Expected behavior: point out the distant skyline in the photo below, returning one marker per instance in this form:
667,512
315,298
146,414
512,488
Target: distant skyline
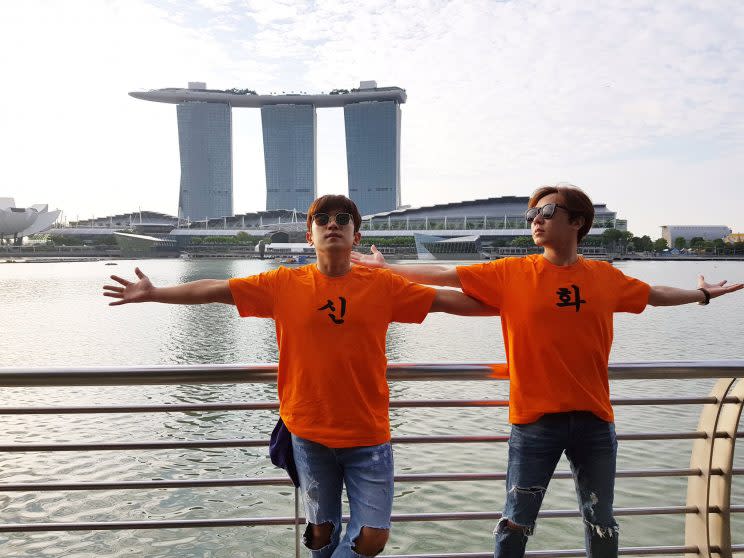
640,103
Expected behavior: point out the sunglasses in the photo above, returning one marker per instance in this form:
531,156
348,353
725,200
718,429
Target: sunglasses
341,219
547,211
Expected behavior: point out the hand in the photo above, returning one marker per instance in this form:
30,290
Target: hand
718,289
375,259
141,291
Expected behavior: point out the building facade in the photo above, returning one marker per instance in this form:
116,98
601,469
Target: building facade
205,144
373,155
688,232
289,136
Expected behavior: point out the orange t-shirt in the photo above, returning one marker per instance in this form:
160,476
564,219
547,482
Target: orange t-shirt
557,324
331,336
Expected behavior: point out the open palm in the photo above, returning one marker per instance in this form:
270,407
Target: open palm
129,292
718,289
375,259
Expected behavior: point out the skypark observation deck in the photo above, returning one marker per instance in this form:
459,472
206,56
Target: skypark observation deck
175,95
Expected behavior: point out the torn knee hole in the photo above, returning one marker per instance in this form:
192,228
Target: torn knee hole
371,541
604,531
318,536
505,525
532,490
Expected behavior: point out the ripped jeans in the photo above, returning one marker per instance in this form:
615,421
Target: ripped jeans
367,472
534,450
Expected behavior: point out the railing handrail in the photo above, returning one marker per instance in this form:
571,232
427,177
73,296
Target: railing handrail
261,373
711,469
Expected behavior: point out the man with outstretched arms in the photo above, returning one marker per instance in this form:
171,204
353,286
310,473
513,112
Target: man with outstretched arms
556,314
331,320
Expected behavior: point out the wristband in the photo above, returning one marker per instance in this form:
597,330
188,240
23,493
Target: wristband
707,296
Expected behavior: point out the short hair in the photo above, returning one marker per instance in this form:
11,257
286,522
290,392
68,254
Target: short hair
329,202
574,198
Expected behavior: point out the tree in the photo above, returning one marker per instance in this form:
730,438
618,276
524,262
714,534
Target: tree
647,245
697,242
680,243
523,241
616,240
660,244
643,243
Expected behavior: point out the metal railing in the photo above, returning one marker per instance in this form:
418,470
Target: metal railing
707,511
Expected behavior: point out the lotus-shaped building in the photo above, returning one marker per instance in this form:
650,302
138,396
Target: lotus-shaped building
24,221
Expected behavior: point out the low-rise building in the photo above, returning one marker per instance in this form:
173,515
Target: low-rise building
707,232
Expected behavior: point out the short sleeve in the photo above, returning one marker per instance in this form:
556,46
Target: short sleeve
410,302
484,282
632,294
255,295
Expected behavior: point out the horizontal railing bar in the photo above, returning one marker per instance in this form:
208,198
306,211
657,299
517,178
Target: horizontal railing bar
240,373
256,521
276,481
166,408
625,551
142,485
273,405
238,443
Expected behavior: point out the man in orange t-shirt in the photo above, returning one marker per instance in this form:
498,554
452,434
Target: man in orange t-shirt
331,322
556,314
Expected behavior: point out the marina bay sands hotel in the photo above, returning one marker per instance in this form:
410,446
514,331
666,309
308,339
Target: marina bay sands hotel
372,123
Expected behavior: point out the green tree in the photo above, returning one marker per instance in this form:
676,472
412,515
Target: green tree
522,242
697,242
660,244
680,243
616,240
646,244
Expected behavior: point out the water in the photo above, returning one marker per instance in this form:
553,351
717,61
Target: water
54,315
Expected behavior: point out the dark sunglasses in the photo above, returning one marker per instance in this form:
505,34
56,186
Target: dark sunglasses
341,219
547,211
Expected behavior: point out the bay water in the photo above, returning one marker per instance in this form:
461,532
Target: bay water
53,314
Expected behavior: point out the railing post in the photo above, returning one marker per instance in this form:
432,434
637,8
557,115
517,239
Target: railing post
719,524
706,528
297,521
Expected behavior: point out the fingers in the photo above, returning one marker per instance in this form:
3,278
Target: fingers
701,281
117,303
121,280
719,291
114,295
139,273
374,249
113,288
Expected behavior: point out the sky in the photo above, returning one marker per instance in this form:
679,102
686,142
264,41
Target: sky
640,103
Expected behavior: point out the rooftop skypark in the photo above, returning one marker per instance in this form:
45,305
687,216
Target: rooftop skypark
197,91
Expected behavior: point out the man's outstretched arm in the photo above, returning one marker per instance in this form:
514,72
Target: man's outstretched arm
672,296
203,291
455,302
427,274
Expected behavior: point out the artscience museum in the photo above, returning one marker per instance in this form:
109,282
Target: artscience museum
17,222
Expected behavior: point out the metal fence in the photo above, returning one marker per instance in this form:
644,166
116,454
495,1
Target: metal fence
707,511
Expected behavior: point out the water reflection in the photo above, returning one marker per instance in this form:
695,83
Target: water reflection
83,330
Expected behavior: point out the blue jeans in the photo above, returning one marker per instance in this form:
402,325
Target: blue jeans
534,450
367,472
